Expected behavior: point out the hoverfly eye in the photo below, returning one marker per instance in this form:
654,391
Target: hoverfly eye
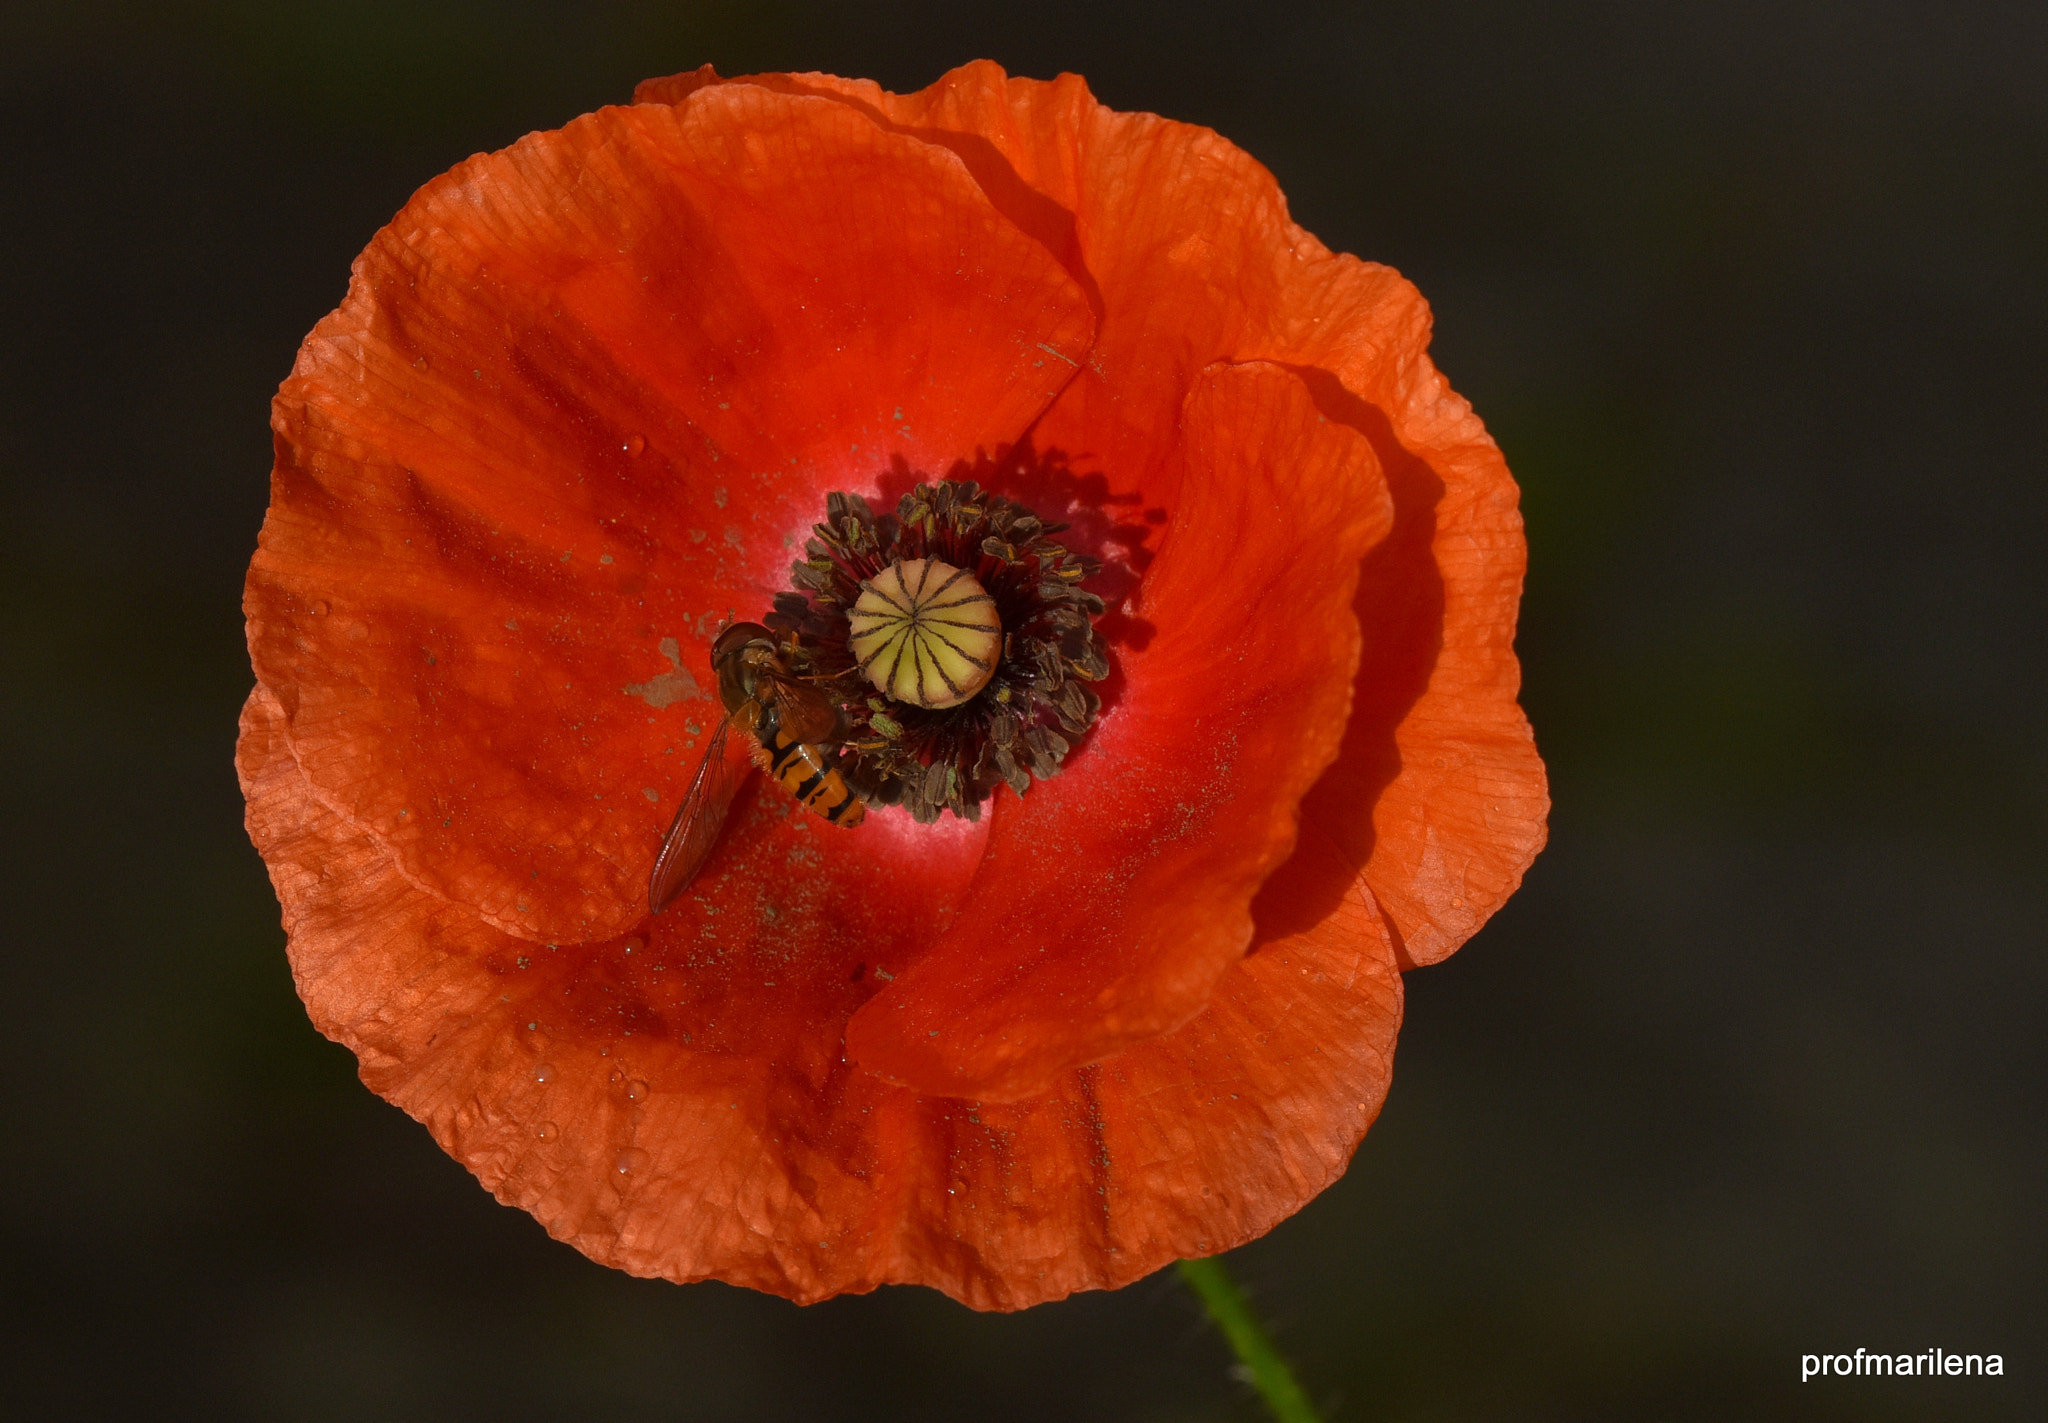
736,637
926,633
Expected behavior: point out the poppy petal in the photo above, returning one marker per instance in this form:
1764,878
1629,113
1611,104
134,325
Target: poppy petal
582,400
1184,242
772,1165
1111,897
1437,743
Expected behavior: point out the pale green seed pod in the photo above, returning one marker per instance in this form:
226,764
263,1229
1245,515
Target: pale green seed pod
926,633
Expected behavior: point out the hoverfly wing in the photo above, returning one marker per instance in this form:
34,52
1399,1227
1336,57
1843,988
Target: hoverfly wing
694,831
802,711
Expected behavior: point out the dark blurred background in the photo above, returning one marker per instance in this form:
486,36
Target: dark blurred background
1754,296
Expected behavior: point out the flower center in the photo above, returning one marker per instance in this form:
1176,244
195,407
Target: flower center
953,637
925,632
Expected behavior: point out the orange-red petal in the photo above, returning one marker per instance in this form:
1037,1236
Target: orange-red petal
1110,899
1185,244
762,1159
582,399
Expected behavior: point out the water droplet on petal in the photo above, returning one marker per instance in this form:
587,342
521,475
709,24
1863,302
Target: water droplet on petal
547,1131
318,608
544,1072
630,1160
636,1091
617,1076
635,444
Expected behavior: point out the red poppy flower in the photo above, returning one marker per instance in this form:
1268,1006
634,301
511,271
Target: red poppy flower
583,405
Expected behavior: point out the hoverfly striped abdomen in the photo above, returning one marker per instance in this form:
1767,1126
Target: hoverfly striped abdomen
803,770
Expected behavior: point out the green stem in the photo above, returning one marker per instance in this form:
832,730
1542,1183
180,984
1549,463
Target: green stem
1229,1311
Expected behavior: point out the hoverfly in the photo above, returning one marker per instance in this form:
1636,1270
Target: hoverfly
792,728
